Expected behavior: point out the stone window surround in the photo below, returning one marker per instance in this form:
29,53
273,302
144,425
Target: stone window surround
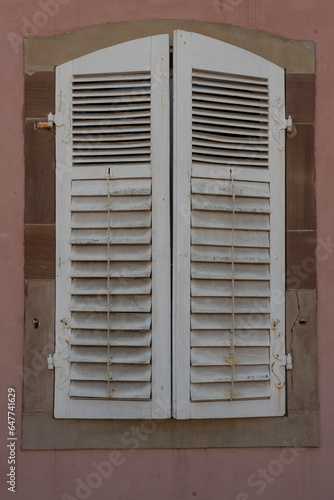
300,426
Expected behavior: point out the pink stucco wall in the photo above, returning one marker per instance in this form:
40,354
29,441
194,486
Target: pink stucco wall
157,474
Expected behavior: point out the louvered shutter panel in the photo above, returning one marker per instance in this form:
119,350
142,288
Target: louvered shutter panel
113,265
228,232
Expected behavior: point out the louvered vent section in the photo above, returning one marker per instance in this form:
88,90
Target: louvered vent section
230,119
230,239
111,251
111,119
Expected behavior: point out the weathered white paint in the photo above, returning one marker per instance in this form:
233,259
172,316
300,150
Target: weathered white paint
229,232
113,264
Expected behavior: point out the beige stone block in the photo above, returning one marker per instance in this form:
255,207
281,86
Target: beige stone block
44,53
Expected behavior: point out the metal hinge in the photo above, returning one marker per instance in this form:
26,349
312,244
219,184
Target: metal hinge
287,361
53,120
51,363
289,125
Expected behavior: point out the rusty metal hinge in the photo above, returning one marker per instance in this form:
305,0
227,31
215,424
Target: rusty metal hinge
56,119
48,124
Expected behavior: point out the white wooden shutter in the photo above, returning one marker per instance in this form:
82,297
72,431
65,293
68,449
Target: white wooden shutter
113,265
229,258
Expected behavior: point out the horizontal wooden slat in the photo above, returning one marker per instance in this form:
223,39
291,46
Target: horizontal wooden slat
114,338
111,147
117,390
207,374
99,140
219,288
219,114
209,120
124,122
112,100
242,131
245,110
117,170
224,305
117,203
236,142
78,93
224,237
121,303
224,254
127,355
92,160
84,114
228,161
223,321
229,99
113,253
117,373
212,76
102,140
120,127
223,271
241,390
111,156
114,236
224,170
234,90
212,219
217,149
217,85
115,220
239,188
119,77
88,173
117,321
117,188
116,270
99,84
225,203
216,356
225,338
113,286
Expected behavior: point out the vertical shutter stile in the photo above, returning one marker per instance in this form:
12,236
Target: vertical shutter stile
229,232
112,326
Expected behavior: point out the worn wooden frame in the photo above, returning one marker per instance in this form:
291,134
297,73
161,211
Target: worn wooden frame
300,425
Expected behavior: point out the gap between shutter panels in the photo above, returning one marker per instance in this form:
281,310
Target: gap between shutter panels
230,253
111,250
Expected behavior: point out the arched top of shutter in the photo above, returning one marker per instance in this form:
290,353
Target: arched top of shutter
112,224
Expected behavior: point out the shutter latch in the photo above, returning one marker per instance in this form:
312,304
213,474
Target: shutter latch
287,361
53,120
